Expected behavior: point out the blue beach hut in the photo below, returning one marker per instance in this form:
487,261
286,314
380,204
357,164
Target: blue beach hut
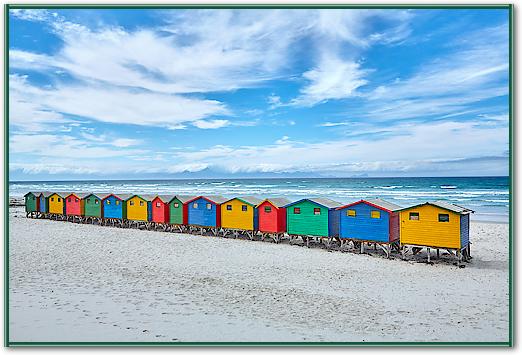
114,206
204,211
370,221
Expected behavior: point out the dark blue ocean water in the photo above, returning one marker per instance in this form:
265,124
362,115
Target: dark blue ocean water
488,196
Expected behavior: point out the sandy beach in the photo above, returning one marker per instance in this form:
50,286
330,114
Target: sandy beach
71,282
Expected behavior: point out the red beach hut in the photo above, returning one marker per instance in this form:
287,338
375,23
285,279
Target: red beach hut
160,208
272,215
73,205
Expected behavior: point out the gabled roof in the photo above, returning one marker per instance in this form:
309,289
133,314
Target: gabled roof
71,193
145,197
183,198
84,195
61,194
277,202
249,200
321,201
444,205
164,198
36,193
47,193
97,195
215,199
123,197
375,202
106,195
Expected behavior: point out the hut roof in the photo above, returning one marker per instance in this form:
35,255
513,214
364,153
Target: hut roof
62,194
250,200
376,202
444,205
217,199
36,193
95,194
47,193
164,198
123,197
276,201
84,195
183,198
322,201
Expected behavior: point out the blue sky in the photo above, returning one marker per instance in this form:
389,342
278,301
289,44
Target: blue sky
109,94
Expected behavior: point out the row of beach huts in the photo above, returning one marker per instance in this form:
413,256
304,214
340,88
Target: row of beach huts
436,226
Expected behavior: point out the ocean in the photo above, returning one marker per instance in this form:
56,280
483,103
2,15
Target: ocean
487,196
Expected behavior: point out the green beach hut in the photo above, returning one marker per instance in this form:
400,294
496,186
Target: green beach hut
312,217
92,205
178,209
32,201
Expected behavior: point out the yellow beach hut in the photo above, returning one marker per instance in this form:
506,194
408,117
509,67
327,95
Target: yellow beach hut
56,203
438,225
240,213
139,207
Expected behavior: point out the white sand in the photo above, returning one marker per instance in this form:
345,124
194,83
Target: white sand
72,282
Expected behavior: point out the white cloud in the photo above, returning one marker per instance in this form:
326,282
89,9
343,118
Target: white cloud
415,144
211,124
30,104
333,124
125,142
332,79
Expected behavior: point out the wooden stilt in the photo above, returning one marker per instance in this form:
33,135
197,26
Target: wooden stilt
429,254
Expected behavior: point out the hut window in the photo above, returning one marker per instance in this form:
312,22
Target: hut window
268,209
443,217
52,199
350,213
59,199
88,200
317,211
33,198
176,205
109,202
141,203
75,200
209,206
195,205
375,214
158,204
96,202
131,203
69,199
297,210
414,216
244,208
229,207
117,202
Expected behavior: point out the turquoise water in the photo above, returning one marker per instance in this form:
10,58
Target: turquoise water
488,196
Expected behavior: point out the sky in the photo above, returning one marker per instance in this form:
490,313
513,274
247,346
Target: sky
138,94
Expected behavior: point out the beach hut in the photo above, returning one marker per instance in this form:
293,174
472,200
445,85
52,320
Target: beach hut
272,215
73,206
43,206
240,213
313,217
370,221
32,203
160,212
114,210
178,210
138,208
438,225
56,204
205,212
92,206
